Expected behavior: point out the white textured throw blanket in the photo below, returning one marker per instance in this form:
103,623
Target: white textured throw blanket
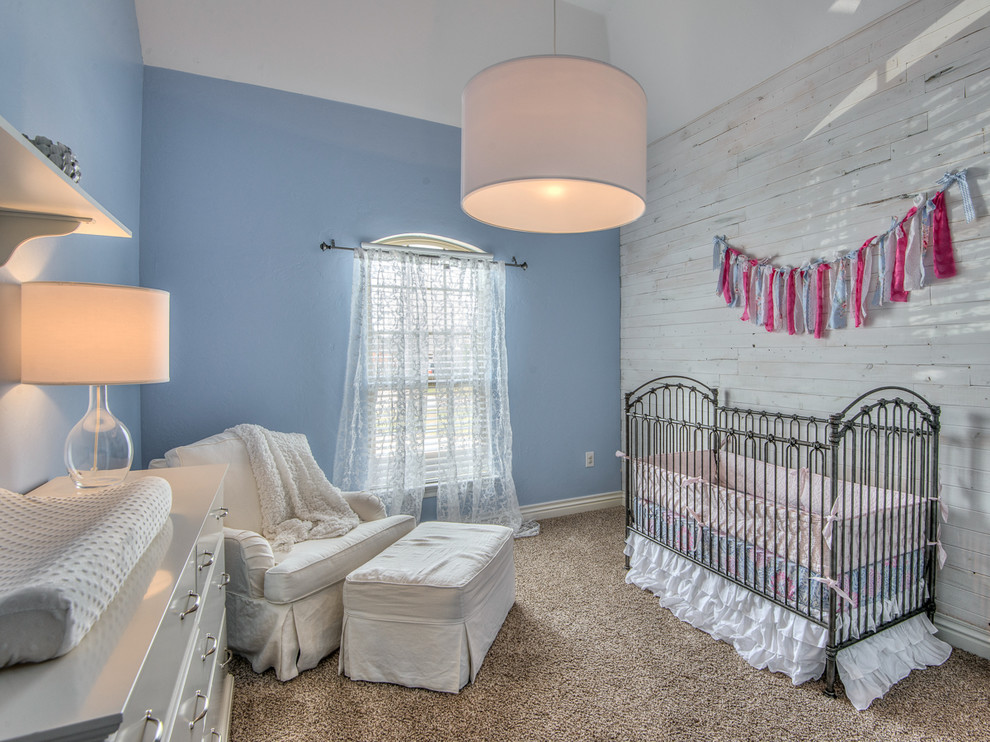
63,560
298,503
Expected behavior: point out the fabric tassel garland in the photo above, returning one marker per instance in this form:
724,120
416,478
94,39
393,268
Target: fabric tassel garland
882,272
925,210
859,295
820,273
747,270
840,297
945,261
913,269
761,297
778,296
736,276
768,322
960,178
867,277
806,279
897,292
718,263
790,297
810,300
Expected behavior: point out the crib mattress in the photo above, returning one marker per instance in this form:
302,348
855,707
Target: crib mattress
784,511
881,587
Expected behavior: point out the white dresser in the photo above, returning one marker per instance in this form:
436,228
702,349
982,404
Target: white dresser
153,666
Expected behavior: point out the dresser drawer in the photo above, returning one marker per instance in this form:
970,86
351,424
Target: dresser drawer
221,690
209,545
193,706
156,683
194,701
174,669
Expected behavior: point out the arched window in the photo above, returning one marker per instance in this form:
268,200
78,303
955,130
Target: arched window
428,241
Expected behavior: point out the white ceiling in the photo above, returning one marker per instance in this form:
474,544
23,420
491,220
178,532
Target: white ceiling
413,57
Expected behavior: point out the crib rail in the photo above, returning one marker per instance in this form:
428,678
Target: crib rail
832,518
889,447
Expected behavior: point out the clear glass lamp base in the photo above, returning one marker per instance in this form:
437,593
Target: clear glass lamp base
98,451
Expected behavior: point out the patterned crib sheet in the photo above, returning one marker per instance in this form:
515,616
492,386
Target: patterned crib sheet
785,511
878,588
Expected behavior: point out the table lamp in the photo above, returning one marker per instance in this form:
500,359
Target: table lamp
95,334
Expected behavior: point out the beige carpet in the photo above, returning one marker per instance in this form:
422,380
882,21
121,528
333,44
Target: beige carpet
584,656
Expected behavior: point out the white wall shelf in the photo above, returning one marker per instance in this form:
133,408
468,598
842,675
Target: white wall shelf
39,200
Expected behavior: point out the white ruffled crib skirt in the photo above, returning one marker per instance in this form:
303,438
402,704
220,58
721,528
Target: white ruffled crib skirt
769,636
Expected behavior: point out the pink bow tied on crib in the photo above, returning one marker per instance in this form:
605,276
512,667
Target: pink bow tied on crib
942,555
834,587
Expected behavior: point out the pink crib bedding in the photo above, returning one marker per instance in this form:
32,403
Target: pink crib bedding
782,510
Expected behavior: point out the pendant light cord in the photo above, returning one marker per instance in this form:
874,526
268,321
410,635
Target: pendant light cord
555,28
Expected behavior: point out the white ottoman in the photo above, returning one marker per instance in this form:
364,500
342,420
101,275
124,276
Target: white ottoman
424,611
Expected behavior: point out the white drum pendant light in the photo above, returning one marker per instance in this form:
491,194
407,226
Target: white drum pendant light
553,144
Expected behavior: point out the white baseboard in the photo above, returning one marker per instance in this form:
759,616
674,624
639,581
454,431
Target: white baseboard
963,635
572,505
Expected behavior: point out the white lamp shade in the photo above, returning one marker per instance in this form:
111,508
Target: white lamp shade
553,144
87,333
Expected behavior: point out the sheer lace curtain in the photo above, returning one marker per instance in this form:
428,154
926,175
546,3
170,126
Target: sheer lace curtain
426,399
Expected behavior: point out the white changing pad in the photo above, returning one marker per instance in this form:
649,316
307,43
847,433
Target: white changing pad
63,559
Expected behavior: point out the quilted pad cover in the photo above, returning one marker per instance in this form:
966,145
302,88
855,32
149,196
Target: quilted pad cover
63,559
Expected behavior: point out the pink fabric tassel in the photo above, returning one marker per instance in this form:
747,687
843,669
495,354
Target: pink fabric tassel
897,292
768,323
746,274
820,300
789,301
860,267
945,261
727,275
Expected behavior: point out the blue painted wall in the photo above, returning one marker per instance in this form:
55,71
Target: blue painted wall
239,186
71,71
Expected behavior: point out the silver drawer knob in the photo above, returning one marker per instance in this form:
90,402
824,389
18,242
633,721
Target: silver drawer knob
193,608
211,643
209,560
202,714
159,727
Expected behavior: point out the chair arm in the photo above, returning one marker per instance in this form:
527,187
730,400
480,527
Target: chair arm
247,558
367,506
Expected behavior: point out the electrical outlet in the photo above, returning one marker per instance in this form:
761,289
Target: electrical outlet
589,458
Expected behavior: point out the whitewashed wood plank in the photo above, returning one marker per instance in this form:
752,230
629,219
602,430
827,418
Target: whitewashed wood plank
964,579
966,503
972,542
962,604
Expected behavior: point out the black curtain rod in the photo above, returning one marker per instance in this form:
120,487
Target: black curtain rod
334,246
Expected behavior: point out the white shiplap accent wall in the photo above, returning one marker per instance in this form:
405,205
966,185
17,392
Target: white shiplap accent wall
816,160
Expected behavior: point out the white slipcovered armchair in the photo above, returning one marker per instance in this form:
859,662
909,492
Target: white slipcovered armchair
285,614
